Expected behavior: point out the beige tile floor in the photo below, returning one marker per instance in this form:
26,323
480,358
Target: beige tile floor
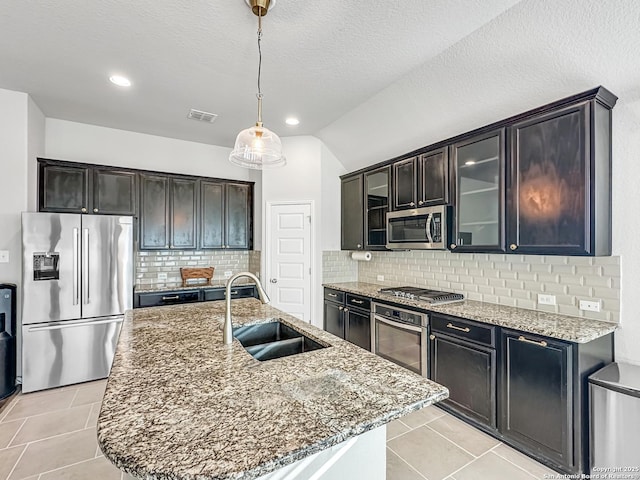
51,435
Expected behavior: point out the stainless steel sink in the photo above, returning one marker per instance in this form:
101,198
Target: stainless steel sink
265,341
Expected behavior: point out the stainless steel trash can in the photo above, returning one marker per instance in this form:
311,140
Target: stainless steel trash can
614,394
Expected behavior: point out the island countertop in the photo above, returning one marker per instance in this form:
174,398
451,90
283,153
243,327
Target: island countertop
181,405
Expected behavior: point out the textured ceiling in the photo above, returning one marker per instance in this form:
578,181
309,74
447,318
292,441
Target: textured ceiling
321,59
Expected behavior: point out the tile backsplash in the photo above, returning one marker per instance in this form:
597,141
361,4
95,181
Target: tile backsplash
150,264
514,280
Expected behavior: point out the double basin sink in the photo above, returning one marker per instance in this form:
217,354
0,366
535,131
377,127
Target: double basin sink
266,341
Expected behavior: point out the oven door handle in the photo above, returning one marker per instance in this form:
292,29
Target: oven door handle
404,326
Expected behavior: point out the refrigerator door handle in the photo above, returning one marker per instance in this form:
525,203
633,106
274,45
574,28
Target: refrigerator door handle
62,325
76,267
85,266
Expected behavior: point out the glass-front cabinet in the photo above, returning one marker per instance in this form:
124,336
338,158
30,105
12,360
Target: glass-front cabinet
376,188
478,164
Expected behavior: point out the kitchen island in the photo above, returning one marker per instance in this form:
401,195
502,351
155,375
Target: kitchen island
181,405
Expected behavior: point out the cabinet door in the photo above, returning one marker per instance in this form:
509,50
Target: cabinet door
63,188
334,319
549,183
114,192
434,178
479,193
537,395
352,219
376,187
211,214
405,176
469,372
183,213
154,212
239,208
358,327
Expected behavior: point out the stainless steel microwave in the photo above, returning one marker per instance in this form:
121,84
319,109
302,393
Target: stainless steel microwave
421,228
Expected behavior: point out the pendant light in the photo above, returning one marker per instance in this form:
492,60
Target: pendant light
258,147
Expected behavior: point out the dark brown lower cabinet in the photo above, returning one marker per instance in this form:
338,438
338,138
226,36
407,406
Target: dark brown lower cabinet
348,316
334,319
358,327
543,401
463,358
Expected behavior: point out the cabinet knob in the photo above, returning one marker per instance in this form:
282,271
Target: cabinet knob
452,246
340,307
420,202
83,210
346,309
432,337
359,245
412,204
513,246
95,210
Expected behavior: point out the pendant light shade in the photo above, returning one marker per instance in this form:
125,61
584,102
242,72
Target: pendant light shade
258,147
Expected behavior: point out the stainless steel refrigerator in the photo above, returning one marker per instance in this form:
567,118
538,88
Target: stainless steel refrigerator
77,277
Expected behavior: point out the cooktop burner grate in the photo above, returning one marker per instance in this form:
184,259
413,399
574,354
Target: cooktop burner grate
435,297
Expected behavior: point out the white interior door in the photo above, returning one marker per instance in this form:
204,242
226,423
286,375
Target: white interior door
288,263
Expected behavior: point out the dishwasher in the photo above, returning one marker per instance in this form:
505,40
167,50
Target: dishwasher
614,394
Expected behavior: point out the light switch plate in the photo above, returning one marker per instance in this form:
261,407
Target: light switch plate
546,299
590,306
228,273
380,278
4,256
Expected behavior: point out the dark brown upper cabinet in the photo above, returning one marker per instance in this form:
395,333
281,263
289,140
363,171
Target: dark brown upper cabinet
69,187
478,183
63,187
226,212
114,192
352,213
433,178
377,186
154,212
559,182
405,183
183,212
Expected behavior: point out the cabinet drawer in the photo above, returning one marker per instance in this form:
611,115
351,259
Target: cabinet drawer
166,298
357,301
462,328
334,295
212,294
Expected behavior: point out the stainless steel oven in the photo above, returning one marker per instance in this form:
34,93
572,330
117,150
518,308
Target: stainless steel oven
400,336
420,228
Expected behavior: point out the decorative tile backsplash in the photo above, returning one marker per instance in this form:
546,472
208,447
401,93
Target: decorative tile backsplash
150,264
514,280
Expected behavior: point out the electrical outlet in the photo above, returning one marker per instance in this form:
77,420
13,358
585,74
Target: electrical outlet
228,273
590,306
162,275
4,256
380,278
546,299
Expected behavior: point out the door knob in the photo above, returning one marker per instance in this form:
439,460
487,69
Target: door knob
274,280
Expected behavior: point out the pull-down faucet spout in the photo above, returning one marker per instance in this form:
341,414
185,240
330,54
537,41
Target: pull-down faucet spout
227,333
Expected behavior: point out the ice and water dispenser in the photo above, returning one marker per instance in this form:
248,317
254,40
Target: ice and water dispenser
7,339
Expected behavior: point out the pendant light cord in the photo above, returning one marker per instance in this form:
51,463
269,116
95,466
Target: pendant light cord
259,95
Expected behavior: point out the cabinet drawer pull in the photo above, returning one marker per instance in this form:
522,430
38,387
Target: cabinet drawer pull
541,343
452,326
334,295
360,302
233,292
174,297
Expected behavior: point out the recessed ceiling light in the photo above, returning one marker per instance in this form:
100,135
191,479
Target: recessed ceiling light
120,80
292,121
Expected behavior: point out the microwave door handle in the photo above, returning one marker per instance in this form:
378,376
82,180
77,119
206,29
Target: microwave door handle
428,227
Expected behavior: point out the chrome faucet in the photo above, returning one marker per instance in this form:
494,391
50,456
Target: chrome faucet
227,333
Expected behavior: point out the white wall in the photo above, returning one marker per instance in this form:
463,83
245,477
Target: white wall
80,142
308,176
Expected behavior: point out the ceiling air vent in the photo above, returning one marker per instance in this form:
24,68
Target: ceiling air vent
202,116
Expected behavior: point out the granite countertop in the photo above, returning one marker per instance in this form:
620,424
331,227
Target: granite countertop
181,405
563,327
178,287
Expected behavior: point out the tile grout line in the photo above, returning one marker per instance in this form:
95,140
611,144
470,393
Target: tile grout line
26,444
24,449
468,463
515,464
66,466
24,420
459,446
410,466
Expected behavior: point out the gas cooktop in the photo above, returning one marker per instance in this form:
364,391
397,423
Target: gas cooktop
434,297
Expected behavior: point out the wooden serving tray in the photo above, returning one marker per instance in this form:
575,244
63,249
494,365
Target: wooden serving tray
205,273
